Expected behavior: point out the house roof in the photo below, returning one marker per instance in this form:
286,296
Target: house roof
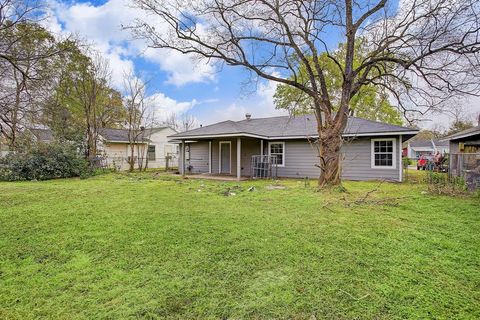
111,135
441,143
463,134
290,127
121,135
42,134
116,135
428,144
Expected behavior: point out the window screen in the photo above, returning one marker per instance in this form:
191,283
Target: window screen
383,153
277,151
151,153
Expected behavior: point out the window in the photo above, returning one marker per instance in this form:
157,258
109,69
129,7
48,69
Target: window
383,153
151,153
277,151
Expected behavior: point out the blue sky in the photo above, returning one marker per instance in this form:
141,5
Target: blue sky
177,84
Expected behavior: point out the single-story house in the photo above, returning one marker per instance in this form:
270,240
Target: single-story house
114,146
464,150
372,150
418,148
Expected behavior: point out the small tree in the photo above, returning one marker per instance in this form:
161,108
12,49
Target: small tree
138,116
83,102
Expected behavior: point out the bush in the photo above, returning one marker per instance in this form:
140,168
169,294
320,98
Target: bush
442,183
43,162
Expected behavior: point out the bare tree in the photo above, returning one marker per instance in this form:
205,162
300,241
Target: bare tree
138,117
12,14
422,53
457,112
182,122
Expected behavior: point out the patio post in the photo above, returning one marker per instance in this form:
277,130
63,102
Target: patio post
210,156
239,157
183,158
400,155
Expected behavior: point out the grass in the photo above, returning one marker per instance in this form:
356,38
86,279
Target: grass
147,246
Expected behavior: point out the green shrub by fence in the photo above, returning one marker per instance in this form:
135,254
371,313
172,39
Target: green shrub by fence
43,162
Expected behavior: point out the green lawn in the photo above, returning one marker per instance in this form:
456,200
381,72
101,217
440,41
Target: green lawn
130,246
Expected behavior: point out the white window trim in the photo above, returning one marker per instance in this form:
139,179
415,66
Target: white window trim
220,155
154,153
394,154
283,155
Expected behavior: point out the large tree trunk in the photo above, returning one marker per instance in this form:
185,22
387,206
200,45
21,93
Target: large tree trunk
330,143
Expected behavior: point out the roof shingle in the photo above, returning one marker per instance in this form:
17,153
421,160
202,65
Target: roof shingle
463,134
285,126
121,135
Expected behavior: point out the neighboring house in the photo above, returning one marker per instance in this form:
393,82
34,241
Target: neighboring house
152,146
114,146
43,135
417,148
464,150
372,149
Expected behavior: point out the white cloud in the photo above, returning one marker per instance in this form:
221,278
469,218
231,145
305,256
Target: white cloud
259,105
102,26
182,69
164,106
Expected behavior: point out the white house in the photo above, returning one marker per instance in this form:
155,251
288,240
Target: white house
115,148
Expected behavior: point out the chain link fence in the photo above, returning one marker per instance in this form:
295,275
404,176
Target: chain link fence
466,166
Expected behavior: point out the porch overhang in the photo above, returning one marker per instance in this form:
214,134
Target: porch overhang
178,138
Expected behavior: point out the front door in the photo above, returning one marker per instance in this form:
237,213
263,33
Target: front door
225,157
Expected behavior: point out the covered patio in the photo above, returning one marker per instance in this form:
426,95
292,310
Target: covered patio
225,158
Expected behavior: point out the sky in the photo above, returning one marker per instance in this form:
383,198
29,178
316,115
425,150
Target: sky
176,83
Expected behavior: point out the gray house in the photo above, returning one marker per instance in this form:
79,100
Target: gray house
373,150
418,148
464,150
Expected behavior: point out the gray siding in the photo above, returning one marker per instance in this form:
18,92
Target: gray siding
300,159
198,157
357,162
454,148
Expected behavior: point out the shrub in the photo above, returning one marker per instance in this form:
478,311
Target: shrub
442,183
43,162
